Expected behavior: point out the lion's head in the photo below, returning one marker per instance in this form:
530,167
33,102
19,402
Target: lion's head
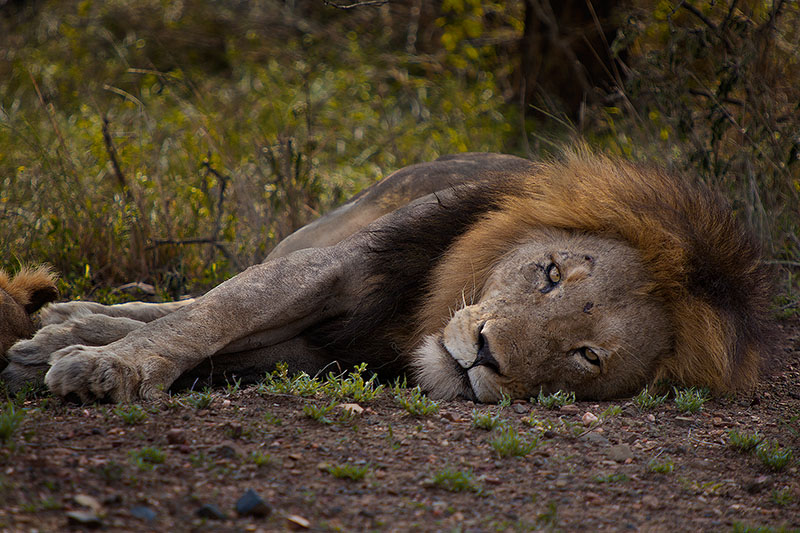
20,297
598,277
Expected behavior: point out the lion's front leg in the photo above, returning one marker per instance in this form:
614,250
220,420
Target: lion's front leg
270,303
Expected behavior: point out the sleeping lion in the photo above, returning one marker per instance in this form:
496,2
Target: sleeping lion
477,275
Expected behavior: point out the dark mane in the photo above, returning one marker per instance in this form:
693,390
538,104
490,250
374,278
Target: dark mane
401,258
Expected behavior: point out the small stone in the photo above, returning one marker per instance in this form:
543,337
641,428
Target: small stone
176,436
211,512
223,451
758,484
570,409
450,417
620,453
84,518
251,504
589,418
520,408
651,417
297,522
143,513
562,482
651,501
597,439
226,403
84,500
233,430
352,408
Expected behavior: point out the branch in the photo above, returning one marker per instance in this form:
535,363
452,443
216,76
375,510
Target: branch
213,242
112,154
364,3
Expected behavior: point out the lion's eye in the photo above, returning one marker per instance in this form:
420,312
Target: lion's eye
553,274
590,355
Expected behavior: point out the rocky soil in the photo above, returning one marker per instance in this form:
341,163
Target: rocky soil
255,461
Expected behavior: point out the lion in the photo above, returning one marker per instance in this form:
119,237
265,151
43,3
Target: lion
479,276
20,297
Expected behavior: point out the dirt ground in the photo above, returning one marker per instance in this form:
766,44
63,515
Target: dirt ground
182,466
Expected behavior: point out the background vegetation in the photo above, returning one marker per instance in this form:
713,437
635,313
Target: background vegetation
175,142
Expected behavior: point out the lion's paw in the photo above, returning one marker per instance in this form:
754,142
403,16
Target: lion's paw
96,373
58,313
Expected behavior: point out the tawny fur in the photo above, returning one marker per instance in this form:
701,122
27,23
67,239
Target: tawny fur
27,282
704,266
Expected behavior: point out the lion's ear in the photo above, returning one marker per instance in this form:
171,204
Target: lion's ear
40,297
33,288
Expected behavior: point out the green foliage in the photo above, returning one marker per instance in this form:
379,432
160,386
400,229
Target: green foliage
319,413
646,401
453,480
353,385
261,460
279,382
743,442
509,443
178,147
660,467
147,458
611,478
554,400
690,400
131,414
485,420
611,411
782,497
10,419
348,471
505,400
200,400
773,456
416,403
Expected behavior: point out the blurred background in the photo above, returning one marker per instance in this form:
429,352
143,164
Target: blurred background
175,142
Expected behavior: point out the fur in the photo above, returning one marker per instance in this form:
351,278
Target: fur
706,267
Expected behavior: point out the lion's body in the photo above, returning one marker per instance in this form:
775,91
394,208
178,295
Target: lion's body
587,274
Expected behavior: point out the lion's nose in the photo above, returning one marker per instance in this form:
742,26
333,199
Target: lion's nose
485,357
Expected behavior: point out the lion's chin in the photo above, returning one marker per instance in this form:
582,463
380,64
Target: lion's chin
438,374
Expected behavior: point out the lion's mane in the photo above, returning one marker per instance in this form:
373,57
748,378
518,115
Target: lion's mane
705,266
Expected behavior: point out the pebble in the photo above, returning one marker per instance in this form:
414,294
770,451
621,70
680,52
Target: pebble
211,511
297,522
176,436
84,518
758,484
570,409
84,500
651,417
352,408
589,418
620,453
651,501
596,438
520,408
251,504
143,513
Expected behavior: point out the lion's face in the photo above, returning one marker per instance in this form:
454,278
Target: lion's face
561,311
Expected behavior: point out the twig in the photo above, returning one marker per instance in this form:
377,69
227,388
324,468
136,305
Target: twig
187,242
112,155
706,94
365,3
699,14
